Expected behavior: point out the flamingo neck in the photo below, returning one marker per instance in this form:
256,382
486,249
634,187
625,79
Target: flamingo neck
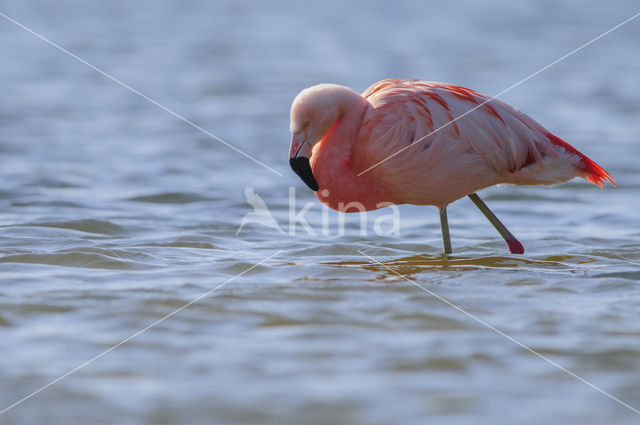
331,161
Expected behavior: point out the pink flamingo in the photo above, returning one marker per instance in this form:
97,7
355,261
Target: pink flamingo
423,143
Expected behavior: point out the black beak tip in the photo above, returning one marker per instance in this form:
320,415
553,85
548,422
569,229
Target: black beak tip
302,168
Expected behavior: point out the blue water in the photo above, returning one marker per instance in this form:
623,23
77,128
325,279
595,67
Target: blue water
115,213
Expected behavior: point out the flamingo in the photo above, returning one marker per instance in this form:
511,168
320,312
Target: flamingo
407,141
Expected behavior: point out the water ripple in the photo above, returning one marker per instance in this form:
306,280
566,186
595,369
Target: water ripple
96,258
88,226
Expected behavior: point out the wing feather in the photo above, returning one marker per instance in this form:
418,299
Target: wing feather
449,141
408,111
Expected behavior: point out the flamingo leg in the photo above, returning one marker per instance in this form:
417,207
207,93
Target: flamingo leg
444,225
515,247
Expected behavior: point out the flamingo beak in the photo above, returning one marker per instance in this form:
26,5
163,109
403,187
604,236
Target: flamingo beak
299,155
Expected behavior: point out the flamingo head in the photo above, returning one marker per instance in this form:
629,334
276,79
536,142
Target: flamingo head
313,112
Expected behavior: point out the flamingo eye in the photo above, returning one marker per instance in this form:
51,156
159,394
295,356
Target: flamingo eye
306,124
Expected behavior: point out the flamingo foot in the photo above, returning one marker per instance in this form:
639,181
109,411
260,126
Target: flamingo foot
515,247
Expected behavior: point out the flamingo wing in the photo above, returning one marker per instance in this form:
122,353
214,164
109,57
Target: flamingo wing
417,119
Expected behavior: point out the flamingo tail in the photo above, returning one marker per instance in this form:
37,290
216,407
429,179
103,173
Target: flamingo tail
594,173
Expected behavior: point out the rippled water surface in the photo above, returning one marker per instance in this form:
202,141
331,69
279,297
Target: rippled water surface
114,213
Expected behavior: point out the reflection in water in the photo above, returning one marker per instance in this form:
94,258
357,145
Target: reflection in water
415,264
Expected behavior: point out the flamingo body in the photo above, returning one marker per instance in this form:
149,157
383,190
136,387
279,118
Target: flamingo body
493,144
423,143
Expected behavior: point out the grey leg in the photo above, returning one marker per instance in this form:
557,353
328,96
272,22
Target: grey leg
444,225
515,247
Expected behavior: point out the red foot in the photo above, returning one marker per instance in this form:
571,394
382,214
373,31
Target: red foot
515,247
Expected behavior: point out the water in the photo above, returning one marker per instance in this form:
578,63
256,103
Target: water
115,213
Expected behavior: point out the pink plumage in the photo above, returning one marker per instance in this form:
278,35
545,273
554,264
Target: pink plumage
423,143
484,124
